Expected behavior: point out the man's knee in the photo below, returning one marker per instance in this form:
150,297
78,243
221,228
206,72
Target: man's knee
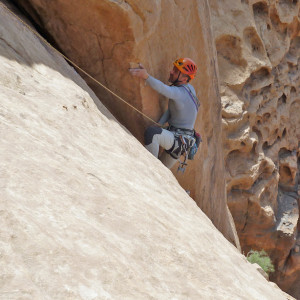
150,132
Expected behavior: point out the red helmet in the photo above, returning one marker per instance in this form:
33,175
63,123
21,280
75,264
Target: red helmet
186,66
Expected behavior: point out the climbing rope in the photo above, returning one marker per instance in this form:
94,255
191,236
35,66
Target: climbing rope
75,65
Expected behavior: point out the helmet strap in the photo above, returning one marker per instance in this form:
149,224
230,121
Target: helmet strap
177,80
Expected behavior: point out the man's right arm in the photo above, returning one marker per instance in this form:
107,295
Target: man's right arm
170,92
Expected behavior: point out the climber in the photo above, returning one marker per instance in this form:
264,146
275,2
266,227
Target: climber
179,136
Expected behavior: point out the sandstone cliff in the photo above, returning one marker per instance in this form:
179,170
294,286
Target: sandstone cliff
105,36
74,223
258,47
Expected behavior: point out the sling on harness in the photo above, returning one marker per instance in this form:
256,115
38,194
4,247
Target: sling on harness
195,147
195,101
186,142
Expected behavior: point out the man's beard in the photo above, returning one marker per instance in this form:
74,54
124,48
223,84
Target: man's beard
171,79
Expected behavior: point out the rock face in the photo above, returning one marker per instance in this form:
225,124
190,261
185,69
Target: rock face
105,36
257,45
74,225
258,48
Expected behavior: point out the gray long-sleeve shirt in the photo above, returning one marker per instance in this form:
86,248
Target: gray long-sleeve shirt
182,111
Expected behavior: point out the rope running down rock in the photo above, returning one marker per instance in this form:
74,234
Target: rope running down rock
76,66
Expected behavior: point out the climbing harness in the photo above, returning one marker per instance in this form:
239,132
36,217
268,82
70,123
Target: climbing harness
186,143
76,66
183,140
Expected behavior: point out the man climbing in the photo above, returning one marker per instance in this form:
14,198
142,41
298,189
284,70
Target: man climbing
180,115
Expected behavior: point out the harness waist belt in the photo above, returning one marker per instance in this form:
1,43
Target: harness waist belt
187,131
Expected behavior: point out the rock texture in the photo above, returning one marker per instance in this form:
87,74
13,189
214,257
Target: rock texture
105,36
258,48
74,224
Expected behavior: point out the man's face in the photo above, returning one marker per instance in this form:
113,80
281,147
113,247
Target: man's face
173,74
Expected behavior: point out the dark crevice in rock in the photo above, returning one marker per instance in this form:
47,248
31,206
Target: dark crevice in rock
246,217
281,100
260,8
36,21
288,2
293,90
284,152
102,60
284,133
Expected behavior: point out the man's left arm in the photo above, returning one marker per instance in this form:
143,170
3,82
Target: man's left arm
165,117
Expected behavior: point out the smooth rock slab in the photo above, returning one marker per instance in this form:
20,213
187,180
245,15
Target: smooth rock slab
86,211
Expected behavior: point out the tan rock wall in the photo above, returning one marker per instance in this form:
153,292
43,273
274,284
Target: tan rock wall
258,46
74,224
105,36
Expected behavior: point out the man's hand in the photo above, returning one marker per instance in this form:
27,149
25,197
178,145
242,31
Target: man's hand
139,72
